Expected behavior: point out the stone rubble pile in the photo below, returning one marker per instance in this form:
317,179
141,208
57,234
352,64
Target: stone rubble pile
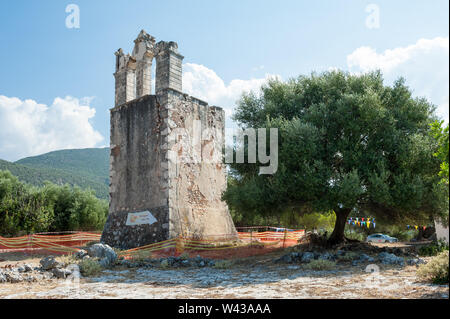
49,269
356,259
106,255
172,262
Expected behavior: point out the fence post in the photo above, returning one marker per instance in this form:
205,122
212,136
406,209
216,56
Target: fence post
29,245
251,238
284,238
179,245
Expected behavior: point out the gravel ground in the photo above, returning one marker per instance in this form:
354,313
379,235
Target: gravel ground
256,279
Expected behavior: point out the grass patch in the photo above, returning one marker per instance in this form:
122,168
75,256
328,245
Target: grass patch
141,255
67,259
223,264
348,256
320,264
433,249
436,270
184,256
89,267
164,264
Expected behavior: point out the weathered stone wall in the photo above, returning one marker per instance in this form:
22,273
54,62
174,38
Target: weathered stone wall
168,67
125,76
166,154
166,158
138,173
197,175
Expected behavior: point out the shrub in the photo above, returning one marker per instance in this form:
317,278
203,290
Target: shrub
401,234
164,264
355,234
436,270
26,209
348,256
433,249
89,267
67,259
223,264
140,255
184,256
320,264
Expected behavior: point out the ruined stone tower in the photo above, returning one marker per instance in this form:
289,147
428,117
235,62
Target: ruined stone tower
166,169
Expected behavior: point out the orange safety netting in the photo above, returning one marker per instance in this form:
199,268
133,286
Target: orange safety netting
62,244
218,246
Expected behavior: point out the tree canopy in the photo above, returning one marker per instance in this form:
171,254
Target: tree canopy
440,133
347,143
28,209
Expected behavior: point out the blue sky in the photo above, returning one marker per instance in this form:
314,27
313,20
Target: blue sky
229,44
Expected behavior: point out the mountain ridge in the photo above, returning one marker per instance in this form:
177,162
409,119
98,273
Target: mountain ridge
86,168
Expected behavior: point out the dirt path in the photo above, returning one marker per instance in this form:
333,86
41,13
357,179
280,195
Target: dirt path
257,281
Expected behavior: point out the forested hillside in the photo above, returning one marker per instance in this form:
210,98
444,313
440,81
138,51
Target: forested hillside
86,168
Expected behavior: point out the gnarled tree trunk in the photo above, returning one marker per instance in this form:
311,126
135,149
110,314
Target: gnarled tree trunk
337,236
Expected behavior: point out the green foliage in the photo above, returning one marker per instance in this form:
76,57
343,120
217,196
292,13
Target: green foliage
89,267
356,234
28,209
440,133
400,233
91,162
184,256
433,249
23,209
348,256
223,264
320,264
312,221
436,270
164,264
86,168
347,143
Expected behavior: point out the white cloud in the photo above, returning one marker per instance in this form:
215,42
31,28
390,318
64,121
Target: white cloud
203,83
424,65
28,128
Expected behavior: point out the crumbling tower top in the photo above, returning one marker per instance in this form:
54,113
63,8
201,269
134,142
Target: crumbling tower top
133,72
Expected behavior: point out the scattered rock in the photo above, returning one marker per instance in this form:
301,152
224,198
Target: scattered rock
49,263
2,278
390,259
81,254
366,258
206,283
175,262
104,262
61,273
104,252
293,267
31,279
186,263
47,275
293,257
284,259
27,268
13,277
326,256
416,261
307,257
